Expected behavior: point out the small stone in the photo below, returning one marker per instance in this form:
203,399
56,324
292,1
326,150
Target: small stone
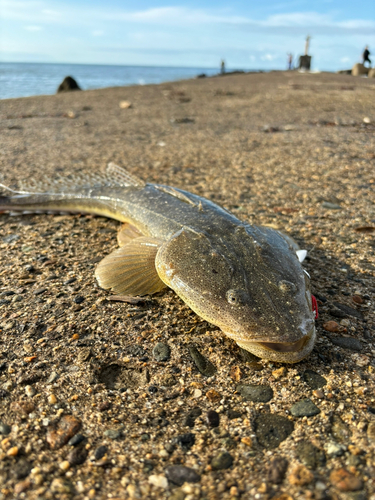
347,343
310,455
22,486
370,432
232,414
197,393
30,391
60,485
76,440
113,433
223,460
12,452
52,399
5,429
125,104
213,396
340,431
301,476
65,465
179,474
272,429
22,468
367,120
331,206
161,352
332,326
203,364
334,449
357,299
78,455
133,491
186,441
52,378
318,394
235,373
304,408
213,418
100,452
277,470
23,407
39,291
247,441
313,379
104,406
60,432
191,416
345,481
159,481
280,372
255,393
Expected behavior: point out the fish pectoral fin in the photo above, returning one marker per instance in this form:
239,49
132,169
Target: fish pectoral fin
127,233
130,270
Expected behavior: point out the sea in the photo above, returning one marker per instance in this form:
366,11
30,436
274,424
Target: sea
28,79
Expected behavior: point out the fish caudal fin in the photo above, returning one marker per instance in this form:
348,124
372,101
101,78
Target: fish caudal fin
130,270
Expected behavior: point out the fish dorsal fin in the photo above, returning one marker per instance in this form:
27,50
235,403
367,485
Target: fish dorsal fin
122,177
130,270
114,176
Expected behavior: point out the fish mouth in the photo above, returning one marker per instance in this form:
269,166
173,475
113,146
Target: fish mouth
285,346
284,352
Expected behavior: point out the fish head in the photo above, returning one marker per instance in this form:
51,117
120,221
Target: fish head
249,283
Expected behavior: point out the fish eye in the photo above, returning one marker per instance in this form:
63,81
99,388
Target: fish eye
287,287
235,297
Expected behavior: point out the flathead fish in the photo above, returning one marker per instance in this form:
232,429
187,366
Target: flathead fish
243,278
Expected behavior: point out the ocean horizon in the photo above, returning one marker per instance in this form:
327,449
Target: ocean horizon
31,79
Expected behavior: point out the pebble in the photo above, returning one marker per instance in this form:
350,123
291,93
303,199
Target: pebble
197,393
331,206
310,455
213,396
213,418
159,481
370,432
64,465
300,476
334,449
113,433
179,474
186,441
304,408
125,104
272,429
279,373
255,393
30,391
232,414
52,378
313,379
277,470
61,485
5,429
235,373
347,343
23,407
333,326
78,455
203,364
12,452
39,291
22,468
191,416
59,433
345,481
52,399
78,299
339,430
100,452
76,440
161,352
223,460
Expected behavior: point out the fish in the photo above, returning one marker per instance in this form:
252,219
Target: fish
245,279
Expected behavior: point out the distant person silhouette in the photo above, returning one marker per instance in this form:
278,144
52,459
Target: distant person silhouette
365,56
222,67
290,61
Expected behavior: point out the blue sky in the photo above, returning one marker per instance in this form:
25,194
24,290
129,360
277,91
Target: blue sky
247,34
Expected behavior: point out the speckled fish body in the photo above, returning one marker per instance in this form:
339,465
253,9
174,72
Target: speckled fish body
245,279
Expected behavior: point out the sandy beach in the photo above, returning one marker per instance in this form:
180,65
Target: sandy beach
102,399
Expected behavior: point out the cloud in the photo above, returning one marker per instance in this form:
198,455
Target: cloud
33,28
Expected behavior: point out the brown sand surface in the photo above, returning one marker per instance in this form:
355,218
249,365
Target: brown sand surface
293,150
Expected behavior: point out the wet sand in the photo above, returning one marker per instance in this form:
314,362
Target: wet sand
88,407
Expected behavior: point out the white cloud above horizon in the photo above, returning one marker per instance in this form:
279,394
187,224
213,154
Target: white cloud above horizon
181,35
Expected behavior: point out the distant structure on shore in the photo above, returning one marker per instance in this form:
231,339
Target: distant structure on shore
304,62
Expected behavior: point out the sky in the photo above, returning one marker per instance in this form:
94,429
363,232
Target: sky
247,34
